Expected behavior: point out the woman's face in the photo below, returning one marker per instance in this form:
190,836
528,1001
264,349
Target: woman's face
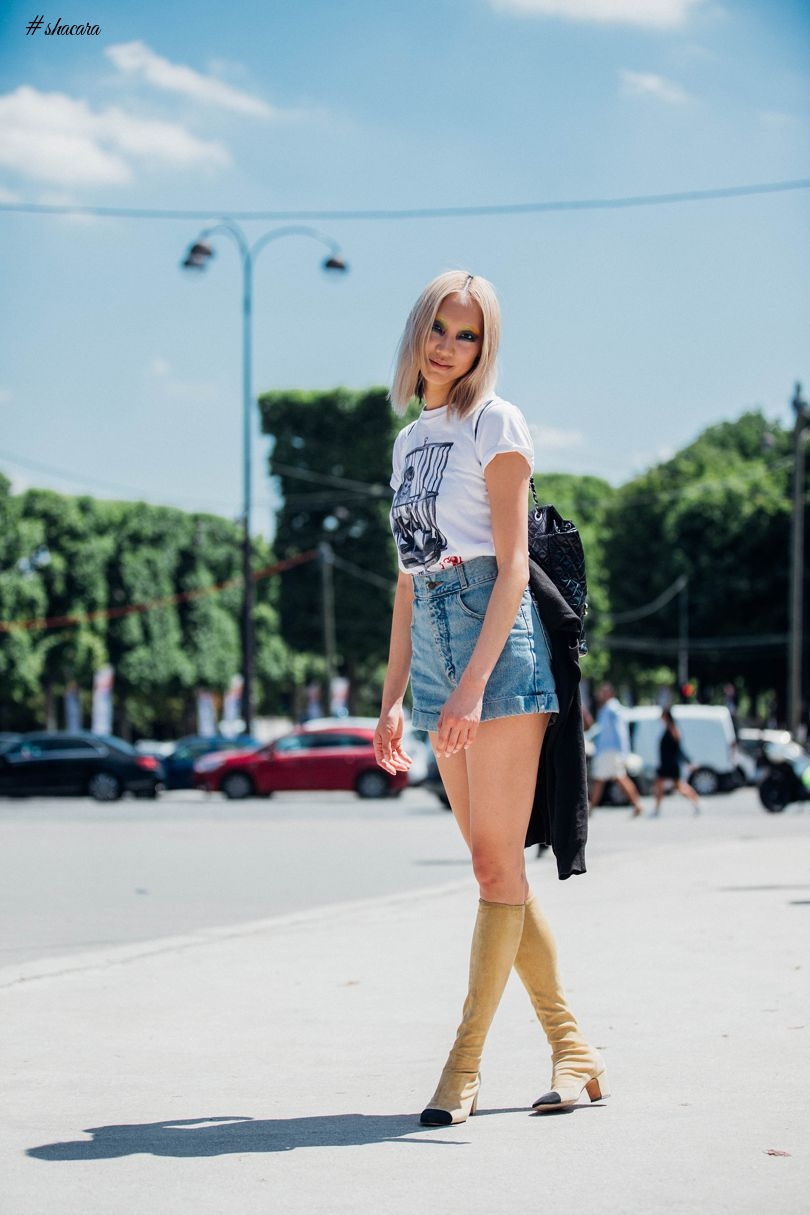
453,346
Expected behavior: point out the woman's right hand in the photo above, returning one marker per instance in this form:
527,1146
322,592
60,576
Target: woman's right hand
388,742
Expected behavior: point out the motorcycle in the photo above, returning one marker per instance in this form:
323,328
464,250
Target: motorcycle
787,776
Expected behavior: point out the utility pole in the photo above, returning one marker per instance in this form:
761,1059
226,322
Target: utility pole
683,631
796,603
328,608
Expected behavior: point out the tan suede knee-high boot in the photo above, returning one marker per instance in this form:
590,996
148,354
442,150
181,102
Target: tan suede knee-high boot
576,1065
498,929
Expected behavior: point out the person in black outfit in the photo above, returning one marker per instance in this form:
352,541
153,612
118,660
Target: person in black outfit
671,756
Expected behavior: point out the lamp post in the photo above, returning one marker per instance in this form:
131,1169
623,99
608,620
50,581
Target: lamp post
197,258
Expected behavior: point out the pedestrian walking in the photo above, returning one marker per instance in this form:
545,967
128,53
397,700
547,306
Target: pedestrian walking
466,631
671,757
612,749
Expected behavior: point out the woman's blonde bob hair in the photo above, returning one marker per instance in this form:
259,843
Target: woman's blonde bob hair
480,379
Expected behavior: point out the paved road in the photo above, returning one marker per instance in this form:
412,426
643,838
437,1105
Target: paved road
77,875
278,1066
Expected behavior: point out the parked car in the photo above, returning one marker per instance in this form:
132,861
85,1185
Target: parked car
708,738
786,777
178,763
415,742
59,762
329,757
752,749
7,738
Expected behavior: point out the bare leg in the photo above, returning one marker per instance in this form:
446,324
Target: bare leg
686,790
597,789
491,792
632,792
659,794
491,789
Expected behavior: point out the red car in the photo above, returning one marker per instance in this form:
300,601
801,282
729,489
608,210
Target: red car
335,757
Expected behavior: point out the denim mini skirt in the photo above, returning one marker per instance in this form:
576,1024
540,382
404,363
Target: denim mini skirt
448,612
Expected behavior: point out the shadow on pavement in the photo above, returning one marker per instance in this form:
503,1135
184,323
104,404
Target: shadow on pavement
220,1135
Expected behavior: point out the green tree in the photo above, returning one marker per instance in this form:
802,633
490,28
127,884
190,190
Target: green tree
332,455
75,582
586,500
22,597
717,512
114,560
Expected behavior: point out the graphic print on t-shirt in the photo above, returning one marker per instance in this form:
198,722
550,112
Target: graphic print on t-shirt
413,513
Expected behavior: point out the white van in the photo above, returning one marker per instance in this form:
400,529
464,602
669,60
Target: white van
707,737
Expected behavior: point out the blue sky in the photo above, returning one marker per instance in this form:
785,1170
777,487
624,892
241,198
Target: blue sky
627,331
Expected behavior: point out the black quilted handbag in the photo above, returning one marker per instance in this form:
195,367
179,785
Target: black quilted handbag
556,545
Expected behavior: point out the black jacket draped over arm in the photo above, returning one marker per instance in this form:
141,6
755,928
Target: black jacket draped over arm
560,811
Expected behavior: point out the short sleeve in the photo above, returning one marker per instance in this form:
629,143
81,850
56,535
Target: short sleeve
396,458
396,462
501,427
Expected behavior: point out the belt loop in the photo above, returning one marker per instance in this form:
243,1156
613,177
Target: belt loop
461,574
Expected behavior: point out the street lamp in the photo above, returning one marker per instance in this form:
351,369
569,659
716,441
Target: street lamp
197,258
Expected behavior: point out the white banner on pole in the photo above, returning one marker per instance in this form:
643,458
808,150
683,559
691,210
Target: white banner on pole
73,709
232,723
206,713
102,700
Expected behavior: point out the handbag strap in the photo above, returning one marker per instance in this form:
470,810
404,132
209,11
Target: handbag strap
534,492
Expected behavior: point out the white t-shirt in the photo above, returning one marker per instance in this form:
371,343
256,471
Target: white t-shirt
441,514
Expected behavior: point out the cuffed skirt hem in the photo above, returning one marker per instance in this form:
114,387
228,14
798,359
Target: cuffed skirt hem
510,706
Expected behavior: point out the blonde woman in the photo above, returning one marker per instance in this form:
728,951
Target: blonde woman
466,632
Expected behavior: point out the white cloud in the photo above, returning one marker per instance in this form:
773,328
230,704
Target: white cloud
693,51
60,140
8,196
549,438
648,84
167,386
641,461
137,59
654,14
19,483
776,119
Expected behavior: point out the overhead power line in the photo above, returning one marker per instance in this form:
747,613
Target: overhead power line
364,575
671,645
649,609
527,208
377,489
151,605
133,492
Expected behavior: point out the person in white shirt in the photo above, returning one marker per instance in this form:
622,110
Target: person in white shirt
611,750
466,632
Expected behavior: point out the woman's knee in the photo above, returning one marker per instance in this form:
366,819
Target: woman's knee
497,872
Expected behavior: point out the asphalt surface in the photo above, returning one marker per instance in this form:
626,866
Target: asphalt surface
279,1064
77,874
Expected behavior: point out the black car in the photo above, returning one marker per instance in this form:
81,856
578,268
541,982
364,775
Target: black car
178,765
58,762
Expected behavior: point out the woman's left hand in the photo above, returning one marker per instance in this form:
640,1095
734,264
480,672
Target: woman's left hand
458,720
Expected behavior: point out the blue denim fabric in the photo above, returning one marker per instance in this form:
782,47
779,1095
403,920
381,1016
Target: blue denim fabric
448,611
